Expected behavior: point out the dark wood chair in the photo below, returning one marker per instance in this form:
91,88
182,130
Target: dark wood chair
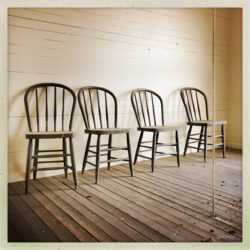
46,120
196,107
99,110
144,102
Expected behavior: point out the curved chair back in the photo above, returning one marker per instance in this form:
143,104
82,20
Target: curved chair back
98,106
145,103
48,105
194,100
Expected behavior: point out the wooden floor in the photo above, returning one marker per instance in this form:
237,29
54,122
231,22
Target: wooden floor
171,204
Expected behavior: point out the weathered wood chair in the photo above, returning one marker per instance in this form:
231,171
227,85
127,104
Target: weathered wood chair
144,102
48,122
193,100
99,110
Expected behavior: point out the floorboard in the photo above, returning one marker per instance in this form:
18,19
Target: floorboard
170,205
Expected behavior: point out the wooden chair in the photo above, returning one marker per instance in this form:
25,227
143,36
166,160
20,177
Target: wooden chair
144,102
99,110
48,122
193,100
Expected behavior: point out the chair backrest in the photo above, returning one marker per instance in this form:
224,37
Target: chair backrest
193,99
145,103
48,105
98,106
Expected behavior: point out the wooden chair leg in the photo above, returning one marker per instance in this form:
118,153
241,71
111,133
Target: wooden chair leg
109,152
205,144
86,153
153,150
130,155
187,140
97,157
223,141
138,147
73,162
177,147
65,160
157,137
200,139
36,159
28,164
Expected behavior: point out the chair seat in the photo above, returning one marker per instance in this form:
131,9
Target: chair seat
107,131
158,128
206,122
49,134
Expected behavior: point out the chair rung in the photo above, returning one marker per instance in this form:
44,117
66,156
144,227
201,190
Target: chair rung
192,147
197,139
114,160
114,148
195,134
109,149
145,146
162,154
52,168
96,145
191,142
146,141
50,155
90,156
165,144
146,150
217,136
52,150
91,163
143,156
49,162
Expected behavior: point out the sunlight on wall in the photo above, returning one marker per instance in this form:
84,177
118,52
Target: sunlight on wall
119,49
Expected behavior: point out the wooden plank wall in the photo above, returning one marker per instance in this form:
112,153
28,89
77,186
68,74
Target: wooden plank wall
120,49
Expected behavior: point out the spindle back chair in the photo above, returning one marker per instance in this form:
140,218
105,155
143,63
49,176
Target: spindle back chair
46,89
193,99
90,98
145,103
196,107
46,111
100,111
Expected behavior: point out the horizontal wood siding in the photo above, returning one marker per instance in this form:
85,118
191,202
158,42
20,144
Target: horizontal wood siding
119,49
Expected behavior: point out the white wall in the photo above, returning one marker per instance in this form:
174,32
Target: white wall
235,82
120,49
